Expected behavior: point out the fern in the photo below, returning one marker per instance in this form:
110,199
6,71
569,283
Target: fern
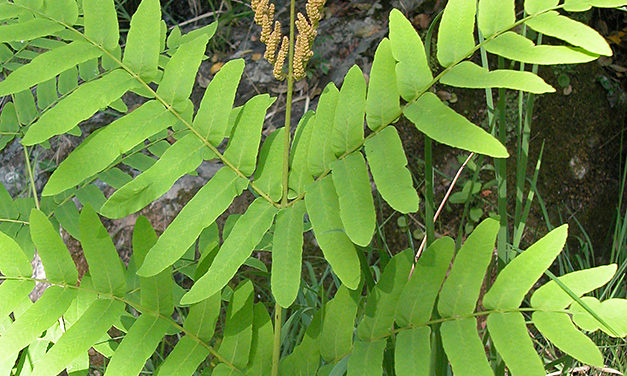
69,53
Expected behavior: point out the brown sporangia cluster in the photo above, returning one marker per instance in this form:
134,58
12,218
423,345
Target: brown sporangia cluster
271,36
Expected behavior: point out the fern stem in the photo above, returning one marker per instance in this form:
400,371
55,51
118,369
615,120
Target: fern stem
276,344
288,106
429,195
14,221
30,177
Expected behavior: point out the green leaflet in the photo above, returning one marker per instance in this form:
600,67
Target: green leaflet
13,261
613,311
156,291
212,118
8,11
236,249
352,183
184,358
413,74
470,75
509,334
25,106
101,23
461,289
141,53
300,176
11,294
37,318
571,31
348,124
561,332
68,80
179,74
260,362
388,165
202,317
48,65
378,320
104,147
551,296
382,103
287,249
82,335
514,46
336,339
415,305
47,93
456,33
412,353
244,142
323,208
137,346
84,102
444,125
464,348
320,151
367,358
536,6
54,255
181,158
518,277
495,16
188,352
28,30
200,212
238,329
106,267
65,11
270,165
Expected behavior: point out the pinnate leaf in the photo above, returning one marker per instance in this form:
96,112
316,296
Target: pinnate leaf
470,75
412,353
388,165
352,183
287,249
212,118
382,103
105,264
48,65
101,23
181,158
244,143
348,125
54,255
571,31
367,359
200,212
517,278
444,125
412,71
461,289
80,105
237,248
456,32
320,148
514,46
141,53
179,74
509,334
323,208
558,328
495,16
464,348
